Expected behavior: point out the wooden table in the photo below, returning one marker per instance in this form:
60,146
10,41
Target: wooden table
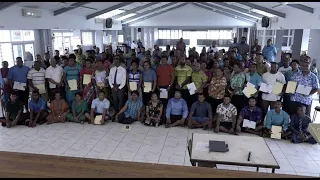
22,165
239,148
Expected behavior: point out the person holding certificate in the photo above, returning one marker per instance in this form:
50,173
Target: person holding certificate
100,107
237,81
134,78
149,78
165,76
36,80
71,73
54,75
86,85
288,75
309,84
183,74
5,86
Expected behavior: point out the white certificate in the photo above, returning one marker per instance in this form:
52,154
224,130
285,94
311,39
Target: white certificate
163,93
266,88
19,86
249,124
302,89
192,88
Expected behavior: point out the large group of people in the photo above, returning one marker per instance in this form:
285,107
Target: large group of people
152,87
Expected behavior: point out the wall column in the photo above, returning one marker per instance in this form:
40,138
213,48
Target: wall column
313,48
297,42
278,44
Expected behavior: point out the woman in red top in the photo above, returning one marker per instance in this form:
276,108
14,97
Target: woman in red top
88,89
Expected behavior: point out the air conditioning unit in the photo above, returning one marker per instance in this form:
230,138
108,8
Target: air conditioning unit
27,12
99,20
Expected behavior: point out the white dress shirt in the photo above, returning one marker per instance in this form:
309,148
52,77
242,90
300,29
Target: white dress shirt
121,76
54,74
271,79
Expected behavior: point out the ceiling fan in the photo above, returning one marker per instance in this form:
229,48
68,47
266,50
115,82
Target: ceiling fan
65,5
286,3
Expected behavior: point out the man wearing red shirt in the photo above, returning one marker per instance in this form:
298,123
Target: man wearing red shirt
165,73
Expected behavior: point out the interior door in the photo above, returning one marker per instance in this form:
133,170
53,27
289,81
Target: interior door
17,52
29,55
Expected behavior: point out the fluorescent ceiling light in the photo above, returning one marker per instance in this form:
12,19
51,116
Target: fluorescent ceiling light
262,12
126,16
111,13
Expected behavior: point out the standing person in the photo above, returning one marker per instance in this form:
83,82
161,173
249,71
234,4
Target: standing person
165,77
54,74
134,46
71,72
256,48
100,106
38,109
269,51
46,60
253,76
181,47
36,77
200,115
139,43
200,79
270,78
243,47
6,88
237,81
88,90
79,110
183,77
299,126
154,110
134,75
227,116
217,89
285,66
306,78
213,48
117,81
58,108
261,67
177,111
100,80
19,73
148,76
234,44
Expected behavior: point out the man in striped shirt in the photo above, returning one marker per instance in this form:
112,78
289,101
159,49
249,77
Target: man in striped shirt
36,78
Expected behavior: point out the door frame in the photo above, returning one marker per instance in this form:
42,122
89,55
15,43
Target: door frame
23,49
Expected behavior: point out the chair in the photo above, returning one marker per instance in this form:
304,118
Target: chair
190,150
316,110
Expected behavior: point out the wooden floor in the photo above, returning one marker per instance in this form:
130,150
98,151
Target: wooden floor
18,165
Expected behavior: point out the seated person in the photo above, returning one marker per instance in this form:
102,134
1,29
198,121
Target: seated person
299,127
14,112
177,110
131,111
59,109
200,115
251,113
154,110
226,116
38,109
79,110
277,117
100,107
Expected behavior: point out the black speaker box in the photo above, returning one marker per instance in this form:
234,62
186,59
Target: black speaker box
108,23
265,22
139,29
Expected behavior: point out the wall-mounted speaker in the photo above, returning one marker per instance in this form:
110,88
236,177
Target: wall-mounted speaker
265,21
245,30
108,23
139,29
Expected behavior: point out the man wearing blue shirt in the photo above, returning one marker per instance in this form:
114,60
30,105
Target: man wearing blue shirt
277,117
18,73
100,106
38,109
269,52
177,111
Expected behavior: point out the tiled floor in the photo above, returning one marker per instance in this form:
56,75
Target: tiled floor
141,144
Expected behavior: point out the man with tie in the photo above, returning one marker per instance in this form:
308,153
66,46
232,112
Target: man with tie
117,81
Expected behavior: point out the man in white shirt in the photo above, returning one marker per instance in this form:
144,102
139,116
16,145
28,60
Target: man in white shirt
117,81
100,107
286,66
134,46
54,75
36,78
213,48
271,78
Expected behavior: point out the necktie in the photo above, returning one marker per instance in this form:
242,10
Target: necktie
300,125
115,77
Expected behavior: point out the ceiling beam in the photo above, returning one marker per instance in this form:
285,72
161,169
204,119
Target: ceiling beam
5,5
157,14
148,12
254,6
222,13
229,11
139,8
120,5
242,10
302,7
66,9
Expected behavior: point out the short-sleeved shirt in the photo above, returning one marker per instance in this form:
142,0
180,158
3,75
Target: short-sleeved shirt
134,77
217,83
13,108
100,78
237,81
164,74
201,109
133,107
72,72
271,79
226,112
182,73
18,74
261,69
36,106
99,106
254,79
54,73
37,77
199,78
310,80
269,53
252,115
149,76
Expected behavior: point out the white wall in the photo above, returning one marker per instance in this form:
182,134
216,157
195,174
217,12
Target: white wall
305,40
12,18
191,16
313,49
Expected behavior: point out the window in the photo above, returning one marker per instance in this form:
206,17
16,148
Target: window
28,35
87,38
160,34
6,53
16,35
68,34
120,38
287,37
5,36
